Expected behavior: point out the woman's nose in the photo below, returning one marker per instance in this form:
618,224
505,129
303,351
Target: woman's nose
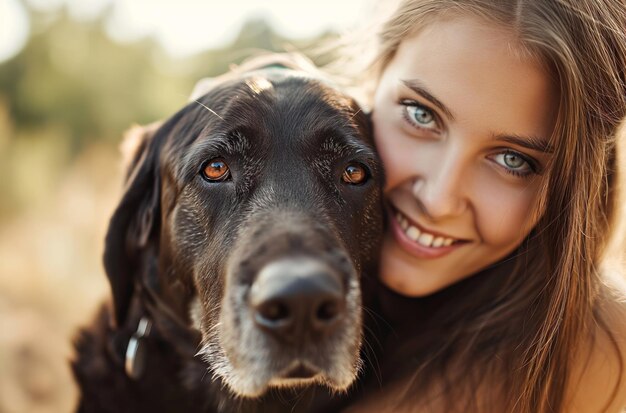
441,192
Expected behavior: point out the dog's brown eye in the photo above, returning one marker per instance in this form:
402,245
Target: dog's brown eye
215,170
354,174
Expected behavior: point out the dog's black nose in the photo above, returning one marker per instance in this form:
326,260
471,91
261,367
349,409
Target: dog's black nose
297,299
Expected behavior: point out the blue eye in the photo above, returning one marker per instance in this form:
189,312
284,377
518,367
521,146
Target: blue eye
418,115
514,163
421,115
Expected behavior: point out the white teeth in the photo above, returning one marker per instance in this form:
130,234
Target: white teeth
425,239
413,233
404,224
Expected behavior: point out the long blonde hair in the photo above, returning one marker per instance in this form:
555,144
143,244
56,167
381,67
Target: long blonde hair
535,314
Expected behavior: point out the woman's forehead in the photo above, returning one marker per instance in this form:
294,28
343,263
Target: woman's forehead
474,69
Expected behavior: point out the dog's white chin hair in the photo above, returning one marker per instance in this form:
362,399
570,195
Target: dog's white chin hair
224,343
241,385
247,384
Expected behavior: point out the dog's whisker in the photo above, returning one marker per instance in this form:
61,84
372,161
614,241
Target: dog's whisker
208,108
206,371
201,352
355,113
214,327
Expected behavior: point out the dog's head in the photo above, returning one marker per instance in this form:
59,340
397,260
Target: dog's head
256,209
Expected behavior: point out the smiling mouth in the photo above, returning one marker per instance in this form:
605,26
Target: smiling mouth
420,235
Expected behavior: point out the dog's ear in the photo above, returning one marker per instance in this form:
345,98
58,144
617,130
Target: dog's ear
136,219
132,240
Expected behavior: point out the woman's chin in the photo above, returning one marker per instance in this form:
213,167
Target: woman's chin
403,275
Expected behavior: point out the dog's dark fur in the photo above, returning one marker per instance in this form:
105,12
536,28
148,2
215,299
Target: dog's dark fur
185,252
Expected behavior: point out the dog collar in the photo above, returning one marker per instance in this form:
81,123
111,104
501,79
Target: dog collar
135,361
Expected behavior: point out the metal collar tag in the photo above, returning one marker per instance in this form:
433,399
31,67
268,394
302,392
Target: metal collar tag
135,352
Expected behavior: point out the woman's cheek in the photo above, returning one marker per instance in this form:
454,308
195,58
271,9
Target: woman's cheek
504,213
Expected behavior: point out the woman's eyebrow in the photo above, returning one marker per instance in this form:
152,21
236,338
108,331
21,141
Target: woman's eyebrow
419,88
534,143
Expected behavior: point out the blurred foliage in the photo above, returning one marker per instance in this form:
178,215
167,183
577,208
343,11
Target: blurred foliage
72,86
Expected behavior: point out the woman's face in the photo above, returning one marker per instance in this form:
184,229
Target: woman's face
462,120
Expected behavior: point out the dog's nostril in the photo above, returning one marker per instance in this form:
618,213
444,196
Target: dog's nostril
274,312
328,310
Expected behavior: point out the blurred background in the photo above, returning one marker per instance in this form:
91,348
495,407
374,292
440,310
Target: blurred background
74,74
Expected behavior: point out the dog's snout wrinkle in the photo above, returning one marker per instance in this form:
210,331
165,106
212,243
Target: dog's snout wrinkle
297,299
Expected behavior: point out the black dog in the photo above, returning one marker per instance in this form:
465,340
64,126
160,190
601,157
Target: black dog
235,255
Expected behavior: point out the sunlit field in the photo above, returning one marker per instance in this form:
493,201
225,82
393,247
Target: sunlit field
51,275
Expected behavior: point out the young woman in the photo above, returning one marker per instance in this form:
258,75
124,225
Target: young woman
498,123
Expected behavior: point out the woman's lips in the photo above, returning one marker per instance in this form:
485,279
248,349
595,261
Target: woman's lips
419,243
